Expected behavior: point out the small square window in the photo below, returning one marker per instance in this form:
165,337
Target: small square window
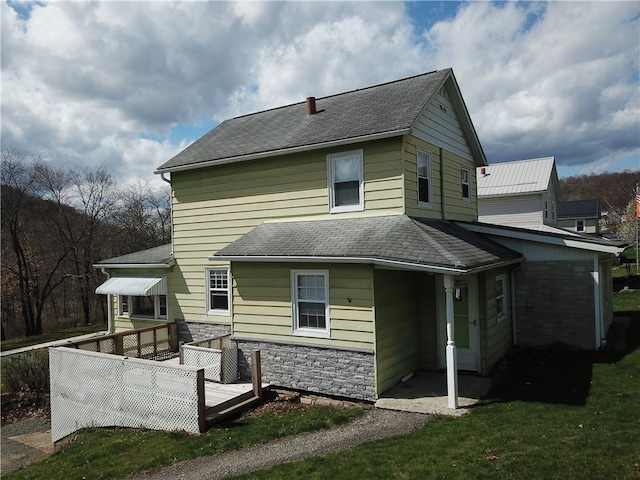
346,181
579,225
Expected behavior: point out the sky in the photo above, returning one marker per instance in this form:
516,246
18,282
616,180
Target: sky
127,85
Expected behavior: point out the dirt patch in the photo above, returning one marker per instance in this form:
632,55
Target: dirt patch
22,405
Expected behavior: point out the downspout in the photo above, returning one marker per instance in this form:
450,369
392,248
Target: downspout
597,308
441,155
110,326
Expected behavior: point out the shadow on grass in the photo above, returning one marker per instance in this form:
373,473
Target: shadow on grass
560,375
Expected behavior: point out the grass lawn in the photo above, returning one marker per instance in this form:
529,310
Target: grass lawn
49,337
113,453
557,415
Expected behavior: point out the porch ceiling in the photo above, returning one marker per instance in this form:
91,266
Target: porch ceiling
396,241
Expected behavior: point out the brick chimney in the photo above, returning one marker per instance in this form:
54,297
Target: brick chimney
311,105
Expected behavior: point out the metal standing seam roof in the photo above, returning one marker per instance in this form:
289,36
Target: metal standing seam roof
518,177
377,110
395,240
137,286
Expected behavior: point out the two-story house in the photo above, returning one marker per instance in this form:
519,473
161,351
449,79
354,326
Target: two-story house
339,236
323,234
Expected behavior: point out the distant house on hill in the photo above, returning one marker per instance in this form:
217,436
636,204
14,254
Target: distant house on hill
580,215
522,193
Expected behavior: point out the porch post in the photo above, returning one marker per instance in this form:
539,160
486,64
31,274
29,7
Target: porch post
452,361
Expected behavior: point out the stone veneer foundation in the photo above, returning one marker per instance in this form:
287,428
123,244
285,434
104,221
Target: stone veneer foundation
335,371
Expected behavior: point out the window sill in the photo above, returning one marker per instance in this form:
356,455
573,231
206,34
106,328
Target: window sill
312,333
218,313
350,208
425,205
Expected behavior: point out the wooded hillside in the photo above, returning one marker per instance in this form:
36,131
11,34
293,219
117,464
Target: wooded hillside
614,190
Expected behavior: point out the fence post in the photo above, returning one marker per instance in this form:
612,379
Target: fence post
173,336
202,411
256,373
119,344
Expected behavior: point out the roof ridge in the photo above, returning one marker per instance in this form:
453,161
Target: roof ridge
336,94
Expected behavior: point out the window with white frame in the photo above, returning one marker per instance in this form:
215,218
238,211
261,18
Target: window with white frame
346,181
465,180
310,302
147,306
218,291
501,298
424,178
579,225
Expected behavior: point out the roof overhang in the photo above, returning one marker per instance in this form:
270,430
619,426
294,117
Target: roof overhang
570,241
142,286
285,151
376,262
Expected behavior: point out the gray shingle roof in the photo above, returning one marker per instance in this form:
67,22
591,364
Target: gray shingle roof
579,209
162,255
396,238
381,109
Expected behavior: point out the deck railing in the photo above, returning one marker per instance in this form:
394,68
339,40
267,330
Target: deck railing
157,342
217,355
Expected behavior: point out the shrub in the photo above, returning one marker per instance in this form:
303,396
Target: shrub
26,372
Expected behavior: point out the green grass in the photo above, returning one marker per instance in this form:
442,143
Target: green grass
101,453
557,415
49,337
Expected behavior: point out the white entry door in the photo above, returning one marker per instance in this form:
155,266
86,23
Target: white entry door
465,315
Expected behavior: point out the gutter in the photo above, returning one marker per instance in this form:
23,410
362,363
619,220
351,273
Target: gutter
134,265
284,151
377,262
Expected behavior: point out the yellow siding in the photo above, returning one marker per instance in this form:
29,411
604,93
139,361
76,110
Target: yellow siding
428,322
496,336
447,182
215,206
396,311
262,303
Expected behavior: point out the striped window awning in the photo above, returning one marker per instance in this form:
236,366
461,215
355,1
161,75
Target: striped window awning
136,286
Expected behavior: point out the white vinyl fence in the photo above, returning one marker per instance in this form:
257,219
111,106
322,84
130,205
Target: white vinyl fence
92,389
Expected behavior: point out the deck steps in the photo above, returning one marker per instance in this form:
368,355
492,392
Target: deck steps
231,407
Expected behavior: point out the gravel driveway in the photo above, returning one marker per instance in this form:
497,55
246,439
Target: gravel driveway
373,425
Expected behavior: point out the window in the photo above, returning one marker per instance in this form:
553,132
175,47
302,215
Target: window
579,225
153,306
310,302
218,291
546,209
465,180
424,178
346,181
501,298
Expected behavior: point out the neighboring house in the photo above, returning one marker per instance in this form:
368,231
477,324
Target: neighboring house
334,236
580,215
523,193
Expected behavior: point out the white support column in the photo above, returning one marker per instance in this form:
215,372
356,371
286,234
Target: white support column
452,361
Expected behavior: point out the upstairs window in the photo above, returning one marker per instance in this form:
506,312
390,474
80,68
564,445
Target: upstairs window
465,180
346,181
579,225
310,302
218,291
424,178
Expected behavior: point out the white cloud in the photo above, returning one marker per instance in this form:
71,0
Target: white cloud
105,82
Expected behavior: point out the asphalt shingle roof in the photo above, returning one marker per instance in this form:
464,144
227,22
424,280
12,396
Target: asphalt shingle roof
152,256
379,109
395,238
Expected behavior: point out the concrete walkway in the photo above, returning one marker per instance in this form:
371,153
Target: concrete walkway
426,392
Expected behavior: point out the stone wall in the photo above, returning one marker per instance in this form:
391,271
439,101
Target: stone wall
555,304
329,371
193,331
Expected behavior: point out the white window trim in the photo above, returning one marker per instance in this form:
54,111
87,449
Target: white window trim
309,332
207,288
331,158
469,182
505,298
429,202
584,226
130,314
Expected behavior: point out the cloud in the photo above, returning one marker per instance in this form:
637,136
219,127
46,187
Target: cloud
112,83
